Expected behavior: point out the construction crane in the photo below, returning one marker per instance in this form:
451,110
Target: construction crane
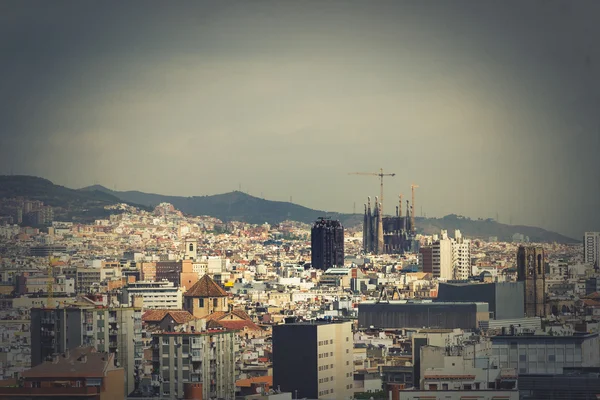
50,285
412,217
380,174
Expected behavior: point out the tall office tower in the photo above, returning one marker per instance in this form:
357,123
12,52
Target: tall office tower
531,270
314,359
114,330
327,244
461,257
442,260
591,248
426,258
183,358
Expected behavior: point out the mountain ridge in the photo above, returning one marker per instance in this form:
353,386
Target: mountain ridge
241,206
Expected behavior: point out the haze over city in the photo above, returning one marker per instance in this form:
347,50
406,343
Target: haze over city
491,107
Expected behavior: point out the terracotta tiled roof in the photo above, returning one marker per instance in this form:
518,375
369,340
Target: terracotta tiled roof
241,314
154,315
217,315
206,287
591,303
256,380
236,325
180,317
94,365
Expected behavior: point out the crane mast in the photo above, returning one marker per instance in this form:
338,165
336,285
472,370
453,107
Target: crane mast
380,174
412,216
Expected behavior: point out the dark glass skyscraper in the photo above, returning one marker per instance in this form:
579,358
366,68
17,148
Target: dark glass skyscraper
327,244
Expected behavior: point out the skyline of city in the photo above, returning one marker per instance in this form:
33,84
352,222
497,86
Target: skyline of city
487,120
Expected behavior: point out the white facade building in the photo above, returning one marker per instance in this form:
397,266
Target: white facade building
591,248
461,256
442,257
160,295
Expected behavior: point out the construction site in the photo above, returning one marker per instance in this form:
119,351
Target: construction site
388,234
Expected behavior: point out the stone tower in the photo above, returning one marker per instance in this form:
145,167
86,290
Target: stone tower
531,271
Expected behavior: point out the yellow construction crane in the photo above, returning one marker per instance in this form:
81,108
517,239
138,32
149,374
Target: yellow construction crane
50,285
380,174
412,217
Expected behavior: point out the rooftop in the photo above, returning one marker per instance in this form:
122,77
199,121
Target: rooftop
206,287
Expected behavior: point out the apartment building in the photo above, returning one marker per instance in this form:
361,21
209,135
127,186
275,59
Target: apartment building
442,258
206,357
461,257
81,373
591,248
162,295
314,359
114,330
451,257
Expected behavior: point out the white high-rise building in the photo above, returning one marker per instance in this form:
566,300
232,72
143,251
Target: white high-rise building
461,256
591,248
442,257
451,258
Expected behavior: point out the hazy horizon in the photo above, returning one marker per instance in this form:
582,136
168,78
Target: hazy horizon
492,108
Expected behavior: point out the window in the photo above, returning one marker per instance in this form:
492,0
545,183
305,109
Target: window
215,302
93,382
200,302
331,354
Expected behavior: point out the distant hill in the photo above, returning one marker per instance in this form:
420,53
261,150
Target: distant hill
239,206
484,229
69,204
232,206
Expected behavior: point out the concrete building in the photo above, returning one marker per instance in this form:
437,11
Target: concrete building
532,272
443,258
461,256
206,358
114,330
314,359
327,244
591,248
546,354
426,258
505,299
397,314
155,295
81,373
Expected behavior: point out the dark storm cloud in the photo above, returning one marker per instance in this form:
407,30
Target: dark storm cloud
489,106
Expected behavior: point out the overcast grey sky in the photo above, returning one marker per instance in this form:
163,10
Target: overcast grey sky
490,106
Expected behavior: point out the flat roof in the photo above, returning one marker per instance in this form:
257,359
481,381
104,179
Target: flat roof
549,337
425,303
